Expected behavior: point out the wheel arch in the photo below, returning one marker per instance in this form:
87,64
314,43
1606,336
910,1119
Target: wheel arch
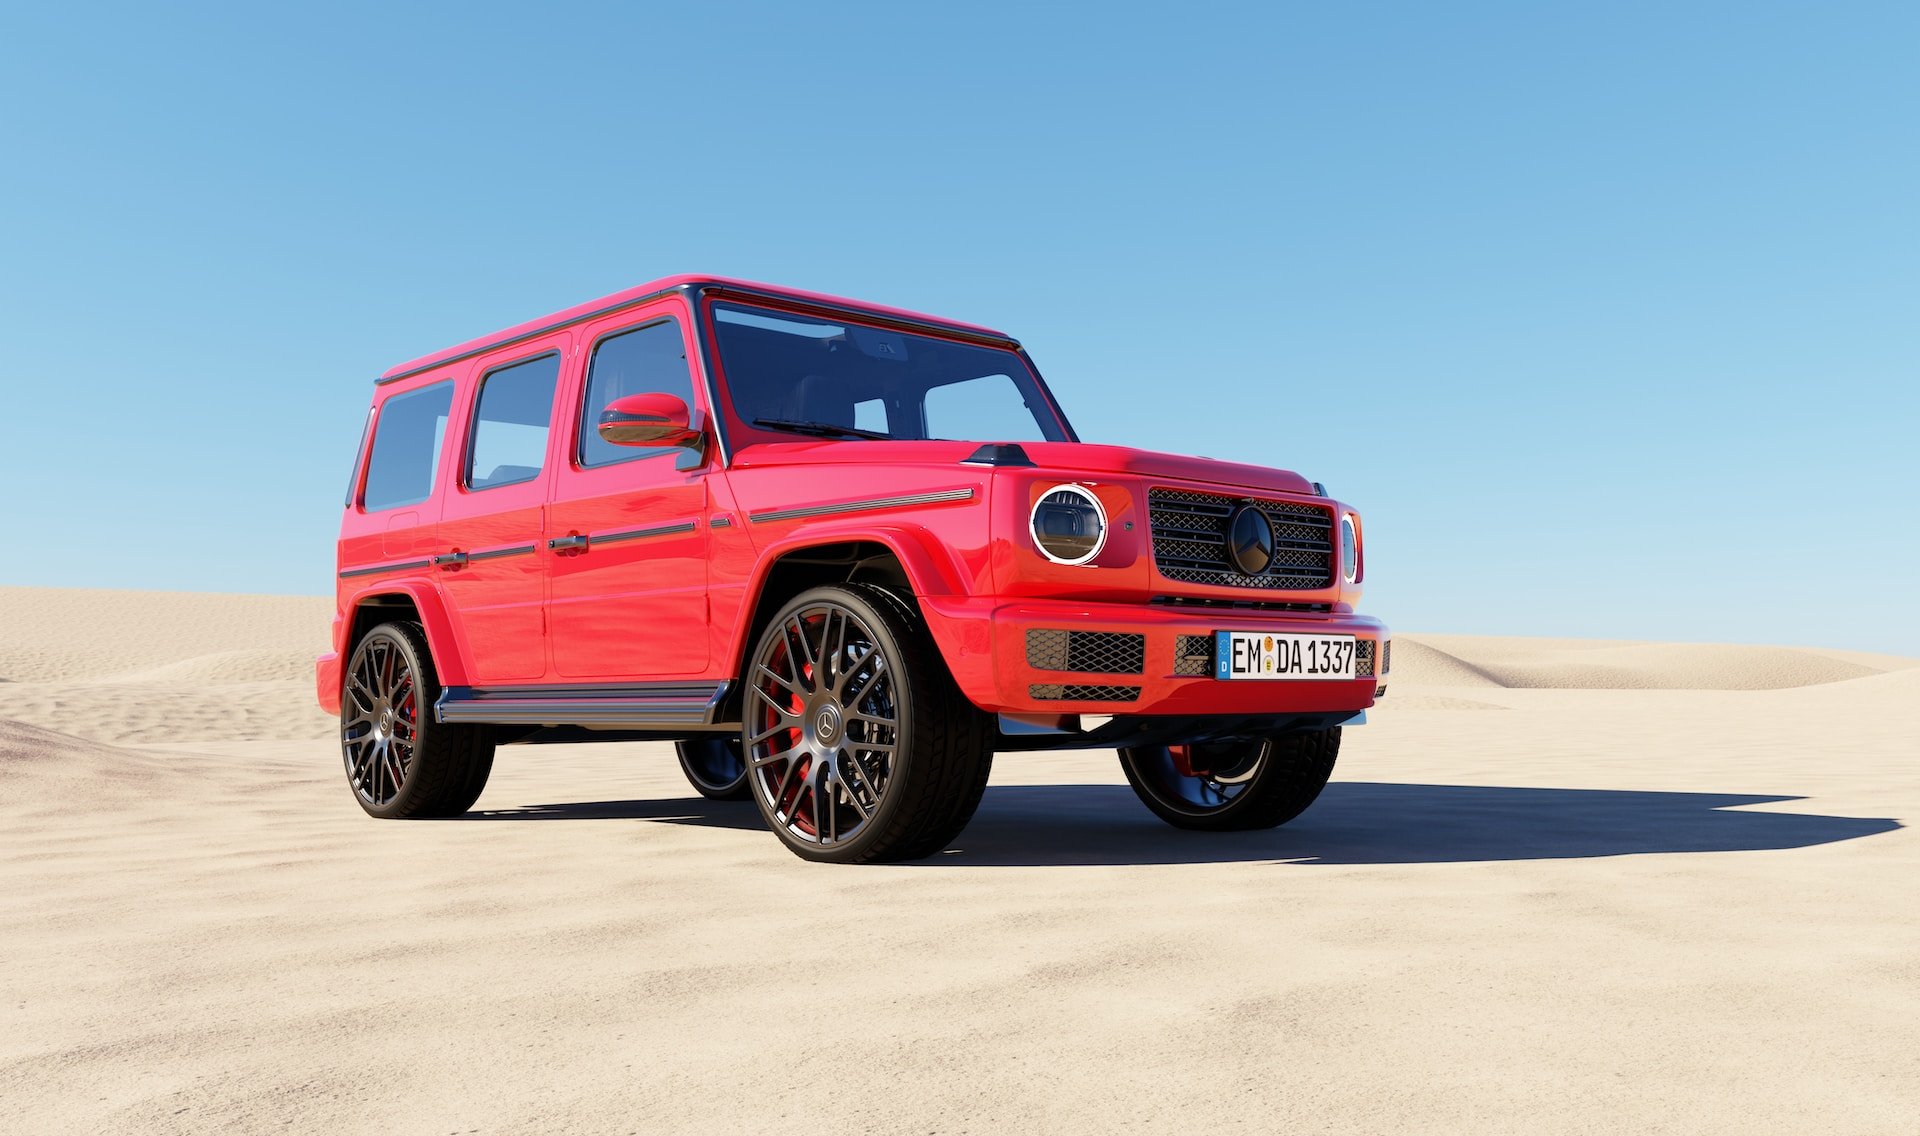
895,558
407,601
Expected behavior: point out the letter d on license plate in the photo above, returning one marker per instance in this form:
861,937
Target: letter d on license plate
1265,655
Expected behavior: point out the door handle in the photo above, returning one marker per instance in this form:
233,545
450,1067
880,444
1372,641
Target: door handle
575,543
450,561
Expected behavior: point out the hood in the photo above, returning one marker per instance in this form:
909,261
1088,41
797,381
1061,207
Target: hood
1066,458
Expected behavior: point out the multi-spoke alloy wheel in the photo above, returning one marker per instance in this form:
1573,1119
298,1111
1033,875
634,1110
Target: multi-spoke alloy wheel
857,745
824,724
400,762
1239,784
380,720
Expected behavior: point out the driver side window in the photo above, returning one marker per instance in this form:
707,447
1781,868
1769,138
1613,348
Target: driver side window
645,360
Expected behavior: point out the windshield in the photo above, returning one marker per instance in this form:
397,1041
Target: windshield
793,375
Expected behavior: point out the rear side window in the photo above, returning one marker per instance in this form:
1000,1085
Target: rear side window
406,447
510,423
646,360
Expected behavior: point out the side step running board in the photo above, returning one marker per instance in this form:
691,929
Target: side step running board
640,706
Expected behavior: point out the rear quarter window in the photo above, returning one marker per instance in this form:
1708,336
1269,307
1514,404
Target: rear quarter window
407,437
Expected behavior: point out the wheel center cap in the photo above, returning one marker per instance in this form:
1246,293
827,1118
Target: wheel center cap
826,724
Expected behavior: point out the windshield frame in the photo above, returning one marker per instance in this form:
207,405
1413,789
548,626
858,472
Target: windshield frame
735,432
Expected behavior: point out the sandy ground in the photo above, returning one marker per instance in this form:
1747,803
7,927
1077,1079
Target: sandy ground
1556,887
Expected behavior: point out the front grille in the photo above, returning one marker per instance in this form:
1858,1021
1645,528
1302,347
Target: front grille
1363,658
1088,652
1057,692
1193,655
1190,540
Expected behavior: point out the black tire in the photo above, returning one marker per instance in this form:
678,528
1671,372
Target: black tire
400,763
852,760
714,767
1233,786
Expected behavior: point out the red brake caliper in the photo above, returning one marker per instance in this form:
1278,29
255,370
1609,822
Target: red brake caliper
1183,762
796,704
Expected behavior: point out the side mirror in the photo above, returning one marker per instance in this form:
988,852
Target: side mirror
660,420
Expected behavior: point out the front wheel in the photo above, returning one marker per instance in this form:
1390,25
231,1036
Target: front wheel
714,767
1236,785
859,746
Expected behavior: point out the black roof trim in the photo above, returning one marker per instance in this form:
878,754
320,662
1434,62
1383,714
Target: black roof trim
694,289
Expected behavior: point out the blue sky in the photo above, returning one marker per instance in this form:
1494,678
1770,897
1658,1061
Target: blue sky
1604,314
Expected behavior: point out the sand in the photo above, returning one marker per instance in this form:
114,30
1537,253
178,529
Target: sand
1555,887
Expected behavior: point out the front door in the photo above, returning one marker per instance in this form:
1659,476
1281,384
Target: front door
627,571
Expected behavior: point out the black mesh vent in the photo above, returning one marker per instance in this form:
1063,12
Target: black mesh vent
1088,652
1193,655
1237,604
1363,658
1190,540
1386,657
1056,692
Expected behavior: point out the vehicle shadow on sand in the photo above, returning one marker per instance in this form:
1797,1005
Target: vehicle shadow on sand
1354,822
1364,822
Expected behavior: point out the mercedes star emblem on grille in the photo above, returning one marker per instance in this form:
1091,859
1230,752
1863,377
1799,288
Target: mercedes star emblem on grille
1250,540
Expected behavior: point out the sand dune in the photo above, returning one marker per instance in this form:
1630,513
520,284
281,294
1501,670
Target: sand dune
158,667
1555,887
1530,664
48,772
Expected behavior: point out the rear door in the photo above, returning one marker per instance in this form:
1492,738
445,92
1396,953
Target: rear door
493,519
627,584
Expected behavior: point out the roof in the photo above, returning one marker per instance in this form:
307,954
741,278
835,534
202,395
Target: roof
642,292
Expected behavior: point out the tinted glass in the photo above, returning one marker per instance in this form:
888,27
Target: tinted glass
510,423
646,360
814,373
977,410
406,447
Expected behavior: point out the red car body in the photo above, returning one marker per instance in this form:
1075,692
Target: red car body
623,598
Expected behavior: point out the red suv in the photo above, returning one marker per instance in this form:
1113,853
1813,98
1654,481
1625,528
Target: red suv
841,554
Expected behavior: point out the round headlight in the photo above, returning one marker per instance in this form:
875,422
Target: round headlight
1349,549
1068,525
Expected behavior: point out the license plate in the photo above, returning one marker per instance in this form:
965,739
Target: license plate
1265,655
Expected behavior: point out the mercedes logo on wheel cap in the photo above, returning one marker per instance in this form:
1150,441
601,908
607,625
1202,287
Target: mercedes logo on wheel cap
827,724
1250,540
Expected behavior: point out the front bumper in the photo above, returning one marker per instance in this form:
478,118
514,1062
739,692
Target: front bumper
985,642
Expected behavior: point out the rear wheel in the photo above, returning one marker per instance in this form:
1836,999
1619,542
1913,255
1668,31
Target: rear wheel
1234,785
715,767
400,762
859,746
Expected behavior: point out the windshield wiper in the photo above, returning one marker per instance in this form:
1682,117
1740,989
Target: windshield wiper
820,429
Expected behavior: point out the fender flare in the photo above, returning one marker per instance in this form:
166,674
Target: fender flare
931,568
443,637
